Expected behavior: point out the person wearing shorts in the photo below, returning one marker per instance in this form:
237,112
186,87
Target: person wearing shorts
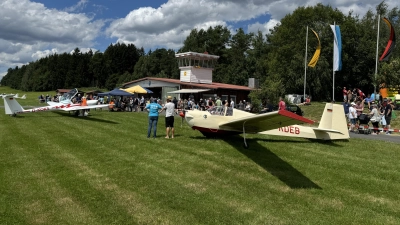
169,117
352,116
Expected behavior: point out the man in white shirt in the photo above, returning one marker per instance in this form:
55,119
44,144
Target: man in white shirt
232,103
169,117
352,116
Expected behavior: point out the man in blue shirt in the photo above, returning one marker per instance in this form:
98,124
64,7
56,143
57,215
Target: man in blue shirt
369,100
153,109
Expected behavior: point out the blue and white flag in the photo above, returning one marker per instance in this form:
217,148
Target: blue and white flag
337,48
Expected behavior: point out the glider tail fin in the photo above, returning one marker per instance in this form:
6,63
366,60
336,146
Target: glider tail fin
333,118
11,105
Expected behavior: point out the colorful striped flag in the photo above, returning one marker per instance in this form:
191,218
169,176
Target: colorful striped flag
337,48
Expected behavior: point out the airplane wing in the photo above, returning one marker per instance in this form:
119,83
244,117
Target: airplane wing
50,103
266,121
74,108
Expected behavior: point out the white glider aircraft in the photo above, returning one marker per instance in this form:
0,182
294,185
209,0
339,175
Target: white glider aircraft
22,97
222,121
12,107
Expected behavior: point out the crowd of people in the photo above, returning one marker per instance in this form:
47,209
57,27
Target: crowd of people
360,110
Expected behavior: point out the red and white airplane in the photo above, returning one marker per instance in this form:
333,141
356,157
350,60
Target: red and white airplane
12,107
223,121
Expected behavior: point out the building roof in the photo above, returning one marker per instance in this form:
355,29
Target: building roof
196,55
213,85
184,91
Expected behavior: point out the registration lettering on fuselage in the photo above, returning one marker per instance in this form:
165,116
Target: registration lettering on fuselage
290,129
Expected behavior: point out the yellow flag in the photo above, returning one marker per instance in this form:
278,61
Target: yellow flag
315,58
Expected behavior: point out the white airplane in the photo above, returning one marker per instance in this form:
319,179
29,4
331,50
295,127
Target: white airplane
223,121
12,107
22,97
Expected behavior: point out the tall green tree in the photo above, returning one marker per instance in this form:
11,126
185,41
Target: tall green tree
235,68
158,63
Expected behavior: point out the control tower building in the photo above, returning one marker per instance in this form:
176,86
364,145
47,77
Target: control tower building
196,67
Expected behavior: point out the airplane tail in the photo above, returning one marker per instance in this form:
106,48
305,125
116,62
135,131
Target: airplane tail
333,126
16,96
23,97
11,105
333,118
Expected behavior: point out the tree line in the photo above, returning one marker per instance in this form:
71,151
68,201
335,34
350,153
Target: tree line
276,59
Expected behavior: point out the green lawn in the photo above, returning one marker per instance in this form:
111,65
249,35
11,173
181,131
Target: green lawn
60,169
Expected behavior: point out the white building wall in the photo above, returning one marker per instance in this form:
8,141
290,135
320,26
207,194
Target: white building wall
186,73
201,75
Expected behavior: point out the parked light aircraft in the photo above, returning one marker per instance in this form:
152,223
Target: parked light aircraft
22,97
12,107
221,121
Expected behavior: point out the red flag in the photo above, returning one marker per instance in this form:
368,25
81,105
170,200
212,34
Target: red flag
391,43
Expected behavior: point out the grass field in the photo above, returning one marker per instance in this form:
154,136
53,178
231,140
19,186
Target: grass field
101,169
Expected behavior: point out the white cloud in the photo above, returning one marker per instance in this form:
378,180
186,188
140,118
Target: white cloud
149,27
77,7
40,54
29,30
264,28
168,24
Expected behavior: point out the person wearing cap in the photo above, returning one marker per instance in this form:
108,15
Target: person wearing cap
153,109
79,99
375,119
169,117
352,116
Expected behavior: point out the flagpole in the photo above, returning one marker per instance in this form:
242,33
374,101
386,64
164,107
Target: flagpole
376,61
333,68
305,68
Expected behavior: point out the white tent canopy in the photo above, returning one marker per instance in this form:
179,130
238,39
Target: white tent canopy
182,91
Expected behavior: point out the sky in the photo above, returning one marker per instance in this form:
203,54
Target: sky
31,29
